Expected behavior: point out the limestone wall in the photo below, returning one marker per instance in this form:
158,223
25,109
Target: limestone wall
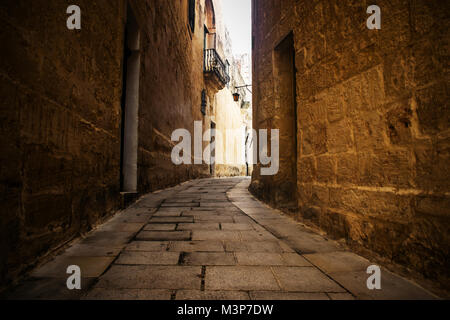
372,123
61,115
230,149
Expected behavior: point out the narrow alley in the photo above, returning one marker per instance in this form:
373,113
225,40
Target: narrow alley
210,240
224,150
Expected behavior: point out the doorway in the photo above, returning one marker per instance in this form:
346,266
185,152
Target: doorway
130,105
285,88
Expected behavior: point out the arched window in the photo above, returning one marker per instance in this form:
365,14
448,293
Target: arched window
210,25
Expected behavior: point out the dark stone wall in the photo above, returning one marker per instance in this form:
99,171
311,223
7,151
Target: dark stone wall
373,123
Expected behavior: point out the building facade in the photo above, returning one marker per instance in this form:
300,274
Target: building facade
88,117
364,123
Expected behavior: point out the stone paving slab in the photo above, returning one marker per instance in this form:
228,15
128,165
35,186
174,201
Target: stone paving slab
311,244
160,227
151,277
273,295
256,236
183,200
341,296
237,226
199,226
209,259
151,246
338,261
167,214
180,205
163,235
108,238
127,294
86,250
253,246
196,246
132,218
294,259
122,227
305,279
240,278
259,259
215,235
218,219
243,219
211,295
148,258
166,220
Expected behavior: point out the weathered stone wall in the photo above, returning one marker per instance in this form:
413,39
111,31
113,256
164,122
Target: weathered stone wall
373,123
171,85
61,93
61,115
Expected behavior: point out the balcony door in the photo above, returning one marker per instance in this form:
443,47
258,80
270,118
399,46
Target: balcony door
209,40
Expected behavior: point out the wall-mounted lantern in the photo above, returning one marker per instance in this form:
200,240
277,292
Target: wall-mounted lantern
236,95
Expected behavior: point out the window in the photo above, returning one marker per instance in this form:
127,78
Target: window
192,15
204,102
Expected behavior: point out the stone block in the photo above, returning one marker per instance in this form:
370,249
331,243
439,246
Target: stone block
197,246
347,168
151,277
169,220
209,259
108,238
151,246
160,227
325,169
86,250
198,226
128,294
338,261
305,279
163,236
294,259
240,278
122,227
147,258
259,259
273,295
215,235
339,137
237,226
211,295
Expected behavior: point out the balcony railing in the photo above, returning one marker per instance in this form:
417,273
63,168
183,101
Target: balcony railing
214,64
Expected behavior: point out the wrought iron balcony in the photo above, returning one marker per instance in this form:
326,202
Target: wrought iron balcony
215,66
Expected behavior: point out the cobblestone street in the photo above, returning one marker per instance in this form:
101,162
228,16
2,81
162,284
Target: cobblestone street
209,239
